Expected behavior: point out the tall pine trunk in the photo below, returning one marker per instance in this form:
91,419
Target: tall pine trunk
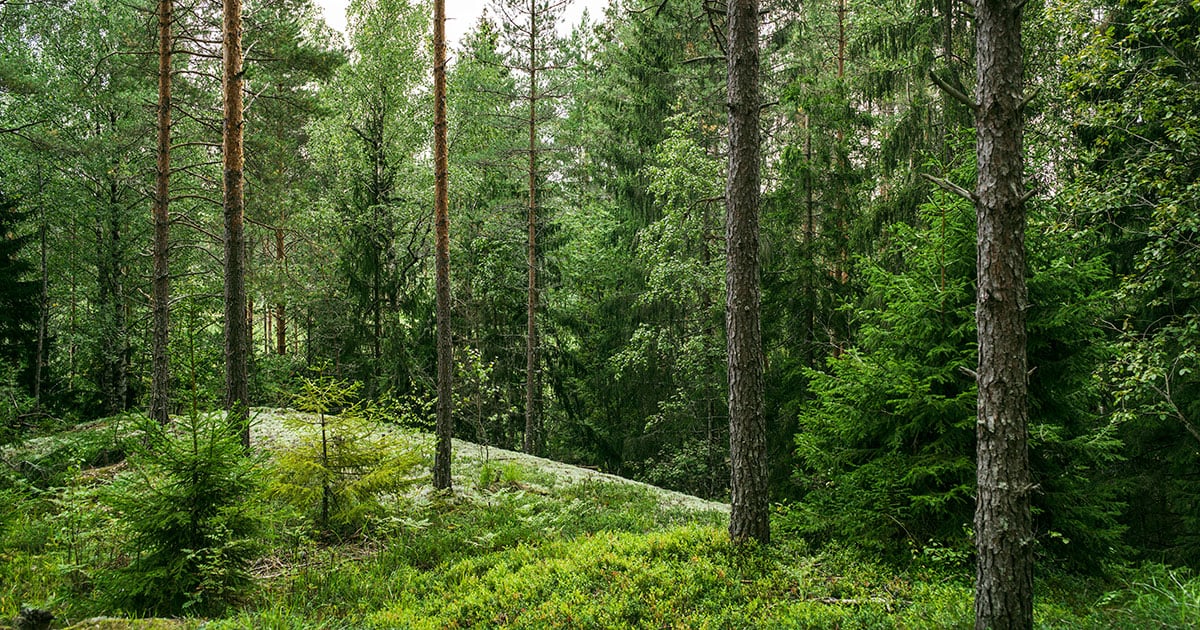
445,402
280,308
237,334
532,415
1003,528
747,420
160,375
43,299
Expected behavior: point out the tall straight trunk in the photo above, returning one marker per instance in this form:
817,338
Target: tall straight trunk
810,286
73,318
160,375
532,415
1003,527
43,301
841,44
441,205
280,309
376,300
268,320
747,421
114,336
237,334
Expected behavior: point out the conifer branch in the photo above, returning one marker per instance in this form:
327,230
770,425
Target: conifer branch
953,92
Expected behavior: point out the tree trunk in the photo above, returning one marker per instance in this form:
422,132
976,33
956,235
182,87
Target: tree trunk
43,301
1003,529
532,416
747,421
445,401
113,335
160,376
73,319
237,337
280,309
810,286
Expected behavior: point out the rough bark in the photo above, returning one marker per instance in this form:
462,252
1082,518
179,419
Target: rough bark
445,400
1003,529
237,333
532,419
747,422
160,375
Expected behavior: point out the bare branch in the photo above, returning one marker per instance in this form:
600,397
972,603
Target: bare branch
21,127
950,187
953,92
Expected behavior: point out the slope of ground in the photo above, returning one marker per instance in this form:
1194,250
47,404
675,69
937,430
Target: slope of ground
522,543
270,428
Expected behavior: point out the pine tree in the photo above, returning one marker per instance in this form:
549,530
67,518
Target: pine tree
237,333
750,514
531,38
1003,522
161,283
445,358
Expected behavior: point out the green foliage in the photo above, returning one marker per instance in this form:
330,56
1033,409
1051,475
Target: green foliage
343,465
1137,109
886,447
678,350
18,293
275,377
188,505
16,406
479,397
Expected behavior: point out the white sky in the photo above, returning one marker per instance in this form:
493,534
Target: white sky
461,15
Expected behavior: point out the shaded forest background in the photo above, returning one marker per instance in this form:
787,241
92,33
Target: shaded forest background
868,265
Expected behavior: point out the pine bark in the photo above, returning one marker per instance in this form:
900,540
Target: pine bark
749,518
532,419
160,375
237,333
1003,527
445,402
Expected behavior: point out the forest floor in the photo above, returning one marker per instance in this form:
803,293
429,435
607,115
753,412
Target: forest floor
523,542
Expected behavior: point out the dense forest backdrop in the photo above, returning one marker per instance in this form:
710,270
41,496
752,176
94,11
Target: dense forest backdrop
868,258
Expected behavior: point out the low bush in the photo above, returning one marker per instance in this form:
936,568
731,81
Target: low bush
343,465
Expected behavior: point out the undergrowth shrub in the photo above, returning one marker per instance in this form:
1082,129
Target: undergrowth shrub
343,465
188,503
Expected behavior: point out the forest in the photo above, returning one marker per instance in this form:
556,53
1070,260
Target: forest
905,294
